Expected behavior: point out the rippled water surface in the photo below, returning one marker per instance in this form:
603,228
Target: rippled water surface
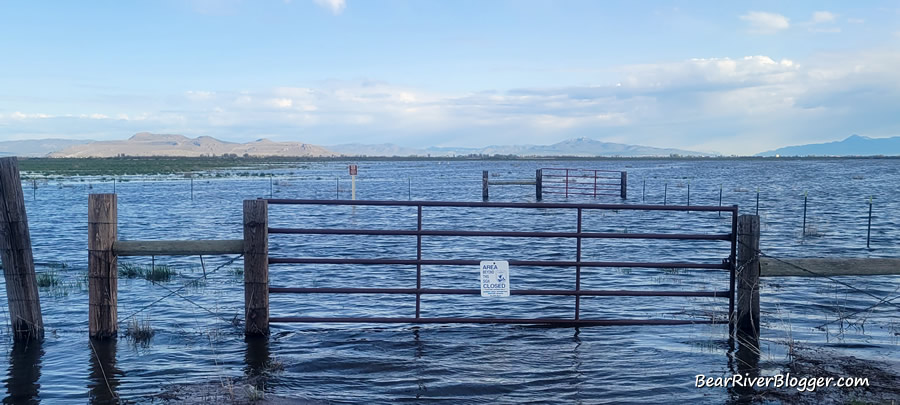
198,338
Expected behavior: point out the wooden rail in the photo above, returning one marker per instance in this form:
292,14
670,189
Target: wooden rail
178,247
826,267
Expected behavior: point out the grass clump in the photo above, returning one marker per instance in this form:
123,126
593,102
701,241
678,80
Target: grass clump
140,331
48,280
155,273
159,273
130,270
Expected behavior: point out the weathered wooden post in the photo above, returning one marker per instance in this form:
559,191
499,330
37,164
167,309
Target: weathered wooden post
256,267
538,184
18,259
624,186
484,185
747,321
102,266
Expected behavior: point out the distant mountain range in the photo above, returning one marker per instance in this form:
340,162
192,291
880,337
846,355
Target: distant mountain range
36,147
147,144
854,145
582,147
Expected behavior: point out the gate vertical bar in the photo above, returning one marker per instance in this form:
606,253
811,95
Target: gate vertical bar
103,282
567,183
484,185
578,268
18,260
624,186
418,257
539,185
595,184
256,267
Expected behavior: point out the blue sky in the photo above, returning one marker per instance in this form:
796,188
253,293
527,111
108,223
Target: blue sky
729,77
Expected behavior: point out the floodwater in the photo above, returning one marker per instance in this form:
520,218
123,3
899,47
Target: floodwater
198,339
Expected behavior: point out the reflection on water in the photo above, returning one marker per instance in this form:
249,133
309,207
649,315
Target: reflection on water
256,357
24,372
104,375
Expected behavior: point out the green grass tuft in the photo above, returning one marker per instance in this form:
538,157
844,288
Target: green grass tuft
140,332
157,273
48,280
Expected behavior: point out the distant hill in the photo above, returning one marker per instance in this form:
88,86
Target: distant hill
36,147
147,144
582,147
854,145
382,149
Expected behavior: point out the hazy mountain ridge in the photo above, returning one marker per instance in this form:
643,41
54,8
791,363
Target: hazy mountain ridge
853,145
37,147
581,147
147,144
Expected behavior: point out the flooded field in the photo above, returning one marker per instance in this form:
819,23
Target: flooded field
195,308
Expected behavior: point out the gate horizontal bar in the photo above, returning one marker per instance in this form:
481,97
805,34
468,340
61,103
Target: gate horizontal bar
585,235
540,263
633,207
459,291
538,321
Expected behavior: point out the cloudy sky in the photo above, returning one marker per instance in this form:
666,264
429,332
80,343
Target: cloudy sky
729,77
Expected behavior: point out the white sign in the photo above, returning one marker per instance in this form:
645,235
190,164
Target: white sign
494,279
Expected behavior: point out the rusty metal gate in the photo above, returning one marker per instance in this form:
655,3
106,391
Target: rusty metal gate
576,263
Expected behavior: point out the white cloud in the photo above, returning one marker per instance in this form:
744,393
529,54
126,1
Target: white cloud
195,95
24,116
819,17
731,105
856,20
766,23
335,6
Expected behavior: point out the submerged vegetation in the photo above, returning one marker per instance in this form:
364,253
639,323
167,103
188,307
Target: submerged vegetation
140,332
155,273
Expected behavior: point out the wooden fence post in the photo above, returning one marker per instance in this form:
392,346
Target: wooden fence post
484,185
623,191
103,281
256,267
539,184
747,321
18,259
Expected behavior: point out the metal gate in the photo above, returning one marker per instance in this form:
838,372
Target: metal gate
586,182
576,263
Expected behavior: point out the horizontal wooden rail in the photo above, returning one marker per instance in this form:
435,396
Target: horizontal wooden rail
821,267
177,247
